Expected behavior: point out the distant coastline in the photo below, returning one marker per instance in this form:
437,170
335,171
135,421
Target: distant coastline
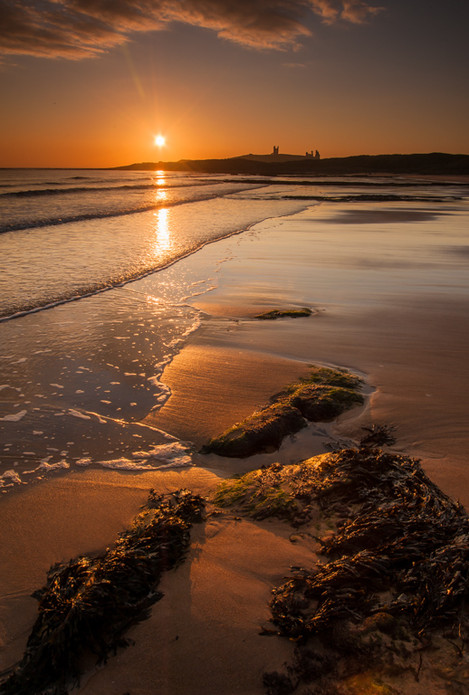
434,163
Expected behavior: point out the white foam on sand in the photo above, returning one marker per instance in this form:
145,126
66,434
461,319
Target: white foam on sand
77,413
14,417
124,464
9,478
172,455
85,461
46,467
165,391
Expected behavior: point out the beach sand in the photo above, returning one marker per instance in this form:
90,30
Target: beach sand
391,298
396,317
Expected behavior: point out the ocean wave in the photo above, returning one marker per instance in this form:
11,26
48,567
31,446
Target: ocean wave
175,454
89,291
351,183
86,292
66,219
34,192
95,215
372,197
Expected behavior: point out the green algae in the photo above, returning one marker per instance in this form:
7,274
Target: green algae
234,491
321,396
332,377
284,313
271,491
259,493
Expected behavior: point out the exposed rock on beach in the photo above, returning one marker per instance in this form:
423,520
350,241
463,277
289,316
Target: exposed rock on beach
321,396
284,313
386,611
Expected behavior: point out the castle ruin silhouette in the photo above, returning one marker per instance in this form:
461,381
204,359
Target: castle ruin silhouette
309,155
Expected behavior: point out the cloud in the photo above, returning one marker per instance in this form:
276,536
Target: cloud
358,12
295,66
329,11
85,28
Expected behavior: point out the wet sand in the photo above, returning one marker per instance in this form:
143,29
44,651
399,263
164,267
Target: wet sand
392,304
214,386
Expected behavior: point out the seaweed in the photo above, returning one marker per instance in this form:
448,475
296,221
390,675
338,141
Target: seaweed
323,395
395,579
284,313
378,435
88,604
397,573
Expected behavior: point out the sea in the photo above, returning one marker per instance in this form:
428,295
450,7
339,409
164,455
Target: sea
95,298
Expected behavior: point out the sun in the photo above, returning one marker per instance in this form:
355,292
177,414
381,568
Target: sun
160,140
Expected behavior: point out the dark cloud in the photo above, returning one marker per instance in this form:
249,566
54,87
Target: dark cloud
84,28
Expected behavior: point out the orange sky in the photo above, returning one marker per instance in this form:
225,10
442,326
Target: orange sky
345,77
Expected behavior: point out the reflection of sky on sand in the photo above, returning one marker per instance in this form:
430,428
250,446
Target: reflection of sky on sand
76,379
392,299
380,253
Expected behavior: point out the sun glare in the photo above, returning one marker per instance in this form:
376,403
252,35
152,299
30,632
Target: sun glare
160,140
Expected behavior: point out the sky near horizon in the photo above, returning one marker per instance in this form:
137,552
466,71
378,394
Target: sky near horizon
92,82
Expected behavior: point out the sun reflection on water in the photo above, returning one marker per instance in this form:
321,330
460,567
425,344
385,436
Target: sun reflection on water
163,240
160,178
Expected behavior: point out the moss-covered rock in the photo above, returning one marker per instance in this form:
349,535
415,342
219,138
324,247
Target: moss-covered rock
323,395
332,377
320,402
261,494
393,582
286,492
284,313
263,431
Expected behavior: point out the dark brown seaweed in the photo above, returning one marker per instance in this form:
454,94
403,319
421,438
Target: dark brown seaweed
88,604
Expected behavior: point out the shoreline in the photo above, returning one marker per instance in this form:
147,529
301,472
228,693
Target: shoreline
369,330
216,603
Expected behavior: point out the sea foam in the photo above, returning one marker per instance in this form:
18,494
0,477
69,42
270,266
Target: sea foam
172,455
